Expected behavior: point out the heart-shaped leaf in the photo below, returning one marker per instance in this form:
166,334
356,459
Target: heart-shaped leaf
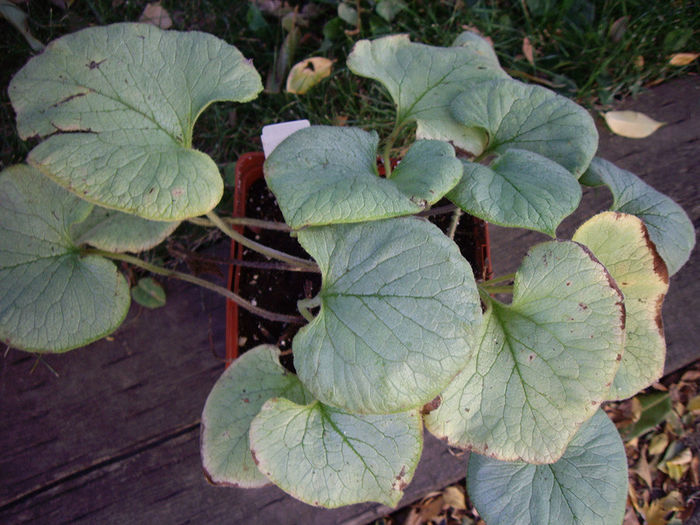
670,228
422,80
587,485
399,309
324,175
520,189
517,115
622,244
115,231
240,392
52,298
544,364
118,104
328,457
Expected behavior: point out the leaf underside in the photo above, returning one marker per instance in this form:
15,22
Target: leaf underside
545,362
588,485
52,299
622,244
399,309
116,106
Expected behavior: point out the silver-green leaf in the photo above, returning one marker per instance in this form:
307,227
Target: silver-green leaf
52,298
517,115
670,228
519,189
115,231
326,175
399,311
545,362
621,242
422,80
240,392
328,457
587,486
117,105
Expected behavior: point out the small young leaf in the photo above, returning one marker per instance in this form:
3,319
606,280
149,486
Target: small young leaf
52,298
519,189
328,457
587,485
307,73
399,311
235,400
117,105
622,244
325,175
545,362
115,231
148,293
631,124
422,80
517,115
670,228
347,13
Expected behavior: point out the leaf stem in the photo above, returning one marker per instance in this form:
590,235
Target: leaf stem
304,306
499,279
243,221
456,215
260,248
158,270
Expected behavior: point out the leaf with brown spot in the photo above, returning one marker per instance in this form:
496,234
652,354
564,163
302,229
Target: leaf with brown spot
621,242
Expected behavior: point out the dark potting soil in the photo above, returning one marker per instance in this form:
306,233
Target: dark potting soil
279,291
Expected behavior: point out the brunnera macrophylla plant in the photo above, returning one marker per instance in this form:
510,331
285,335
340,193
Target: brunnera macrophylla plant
399,321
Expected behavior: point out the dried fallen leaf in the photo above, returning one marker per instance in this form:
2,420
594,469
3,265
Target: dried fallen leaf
618,28
655,512
307,73
658,444
642,468
528,51
155,14
631,124
454,497
682,59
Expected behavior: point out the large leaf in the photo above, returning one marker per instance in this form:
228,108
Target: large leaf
324,175
118,104
232,404
588,485
520,189
517,115
622,244
669,227
422,80
115,231
399,309
328,457
52,298
544,364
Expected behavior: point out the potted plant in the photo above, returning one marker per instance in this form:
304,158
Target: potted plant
400,335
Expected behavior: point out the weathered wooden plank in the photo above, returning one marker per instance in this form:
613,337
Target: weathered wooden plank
163,483
111,396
